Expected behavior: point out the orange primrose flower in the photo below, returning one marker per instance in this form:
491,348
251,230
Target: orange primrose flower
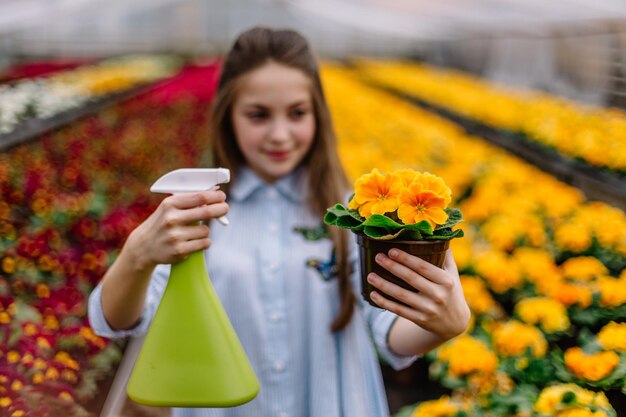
375,193
417,203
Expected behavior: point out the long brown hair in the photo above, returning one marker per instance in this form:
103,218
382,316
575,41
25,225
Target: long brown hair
327,180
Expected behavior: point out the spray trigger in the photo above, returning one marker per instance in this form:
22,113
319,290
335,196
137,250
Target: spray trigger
190,180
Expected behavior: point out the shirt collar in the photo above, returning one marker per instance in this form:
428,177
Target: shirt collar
291,186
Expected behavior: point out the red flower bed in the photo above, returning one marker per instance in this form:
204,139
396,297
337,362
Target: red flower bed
34,69
67,202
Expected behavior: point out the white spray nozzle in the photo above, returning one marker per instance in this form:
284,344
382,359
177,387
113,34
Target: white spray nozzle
189,180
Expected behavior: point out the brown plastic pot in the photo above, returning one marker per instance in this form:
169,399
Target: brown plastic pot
433,251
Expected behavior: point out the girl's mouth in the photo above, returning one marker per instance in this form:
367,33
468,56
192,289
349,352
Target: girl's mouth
278,155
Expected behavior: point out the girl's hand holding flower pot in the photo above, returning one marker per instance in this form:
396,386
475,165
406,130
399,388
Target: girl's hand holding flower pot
404,227
438,304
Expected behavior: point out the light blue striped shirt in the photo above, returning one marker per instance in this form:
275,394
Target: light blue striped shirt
270,280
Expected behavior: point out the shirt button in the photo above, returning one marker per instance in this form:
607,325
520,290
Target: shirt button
273,267
278,366
273,227
275,316
283,414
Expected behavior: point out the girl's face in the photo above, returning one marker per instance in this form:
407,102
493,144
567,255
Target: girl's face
273,119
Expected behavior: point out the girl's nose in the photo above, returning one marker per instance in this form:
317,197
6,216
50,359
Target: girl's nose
279,130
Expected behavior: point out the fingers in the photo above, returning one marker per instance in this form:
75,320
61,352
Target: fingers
420,314
187,233
182,241
449,264
197,214
190,200
398,258
191,208
183,249
405,273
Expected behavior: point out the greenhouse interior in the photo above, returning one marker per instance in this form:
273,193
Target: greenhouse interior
453,173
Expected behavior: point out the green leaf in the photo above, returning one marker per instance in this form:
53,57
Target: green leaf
338,210
330,218
454,217
356,215
378,220
335,212
408,234
445,234
99,203
568,398
348,222
379,233
423,227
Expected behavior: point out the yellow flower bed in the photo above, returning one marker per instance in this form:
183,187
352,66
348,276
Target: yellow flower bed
595,135
516,234
117,74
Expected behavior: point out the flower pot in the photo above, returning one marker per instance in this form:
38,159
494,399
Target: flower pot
433,251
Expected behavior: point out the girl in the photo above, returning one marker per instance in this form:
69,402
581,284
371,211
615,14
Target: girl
287,284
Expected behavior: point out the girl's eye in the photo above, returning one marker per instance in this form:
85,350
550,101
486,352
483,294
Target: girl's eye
297,113
257,115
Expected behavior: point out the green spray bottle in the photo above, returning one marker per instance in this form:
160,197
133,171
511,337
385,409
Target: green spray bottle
191,355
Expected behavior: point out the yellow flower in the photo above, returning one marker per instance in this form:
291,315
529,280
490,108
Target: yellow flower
549,314
583,268
5,318
417,202
376,193
591,367
66,359
466,355
13,356
573,236
612,291
570,293
514,338
64,395
436,408
406,176
537,266
50,322
38,378
42,290
501,272
556,399
8,264
52,374
477,295
505,231
436,184
69,376
462,248
613,336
